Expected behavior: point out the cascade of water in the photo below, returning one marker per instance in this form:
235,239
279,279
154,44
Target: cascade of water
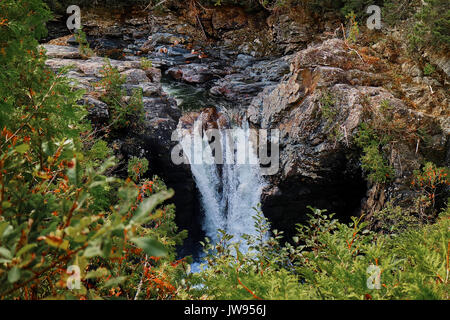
231,190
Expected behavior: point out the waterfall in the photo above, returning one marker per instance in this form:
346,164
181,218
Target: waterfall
231,189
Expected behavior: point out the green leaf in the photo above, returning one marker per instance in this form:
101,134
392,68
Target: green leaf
150,246
3,226
92,252
94,274
63,244
14,275
25,249
114,282
149,204
5,253
22,148
6,204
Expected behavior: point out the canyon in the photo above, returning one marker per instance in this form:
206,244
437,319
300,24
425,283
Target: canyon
286,70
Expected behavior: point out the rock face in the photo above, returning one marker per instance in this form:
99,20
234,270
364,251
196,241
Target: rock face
292,30
318,108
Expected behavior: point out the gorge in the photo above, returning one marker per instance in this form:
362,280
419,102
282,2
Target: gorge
297,74
287,146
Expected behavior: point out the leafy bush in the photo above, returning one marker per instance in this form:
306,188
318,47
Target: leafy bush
137,167
358,7
394,220
51,217
431,181
395,11
330,260
432,26
327,101
353,32
372,160
122,114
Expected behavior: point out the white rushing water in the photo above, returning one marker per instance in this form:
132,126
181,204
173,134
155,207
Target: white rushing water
229,192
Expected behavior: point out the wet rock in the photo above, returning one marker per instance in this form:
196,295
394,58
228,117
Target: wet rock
111,47
243,61
159,108
165,38
90,67
81,81
147,46
234,88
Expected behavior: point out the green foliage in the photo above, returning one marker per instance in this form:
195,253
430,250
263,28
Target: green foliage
123,115
330,260
329,113
431,181
233,274
327,102
135,108
146,63
83,44
358,7
385,106
372,160
137,167
60,6
353,28
395,11
98,152
145,264
344,253
59,206
432,25
394,220
111,83
429,69
344,6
